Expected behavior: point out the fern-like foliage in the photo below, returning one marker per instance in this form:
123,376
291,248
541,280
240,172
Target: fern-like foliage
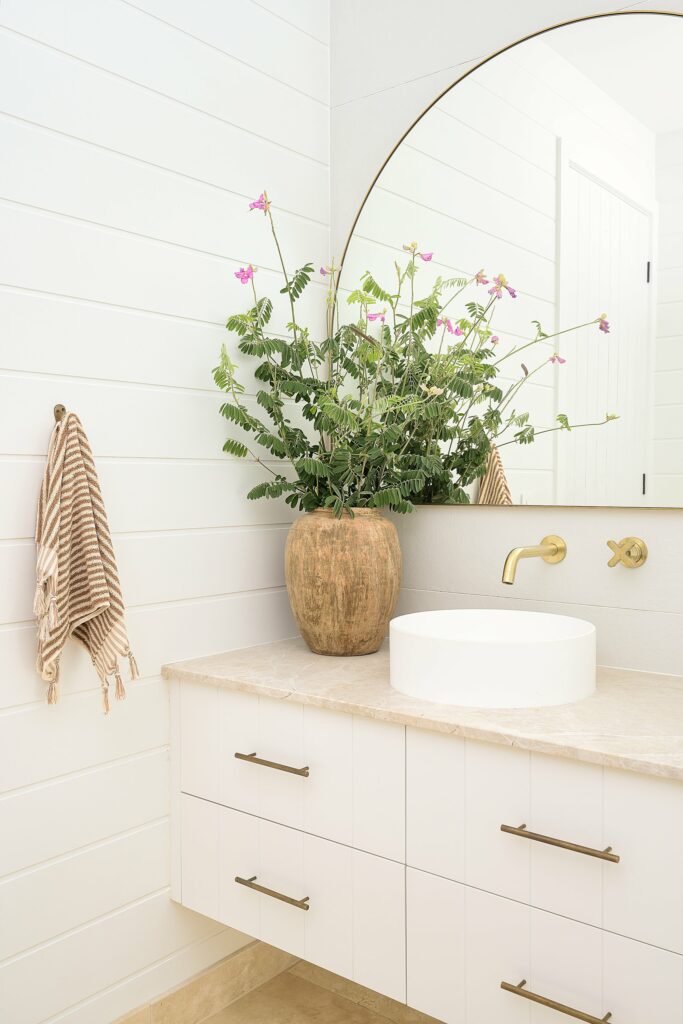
399,407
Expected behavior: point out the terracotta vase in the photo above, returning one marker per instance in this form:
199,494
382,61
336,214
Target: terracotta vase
343,577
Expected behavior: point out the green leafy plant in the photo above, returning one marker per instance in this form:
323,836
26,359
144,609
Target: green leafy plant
398,407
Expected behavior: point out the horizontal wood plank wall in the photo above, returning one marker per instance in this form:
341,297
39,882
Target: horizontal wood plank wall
476,182
667,483
134,135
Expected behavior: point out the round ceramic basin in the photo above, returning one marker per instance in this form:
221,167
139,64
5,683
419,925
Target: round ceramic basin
492,659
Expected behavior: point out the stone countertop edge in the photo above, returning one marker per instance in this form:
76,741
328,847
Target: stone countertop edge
634,721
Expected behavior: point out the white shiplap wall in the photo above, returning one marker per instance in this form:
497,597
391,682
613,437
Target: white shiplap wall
477,181
454,557
133,135
668,392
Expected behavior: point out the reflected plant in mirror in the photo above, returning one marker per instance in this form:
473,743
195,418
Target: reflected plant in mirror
400,407
560,161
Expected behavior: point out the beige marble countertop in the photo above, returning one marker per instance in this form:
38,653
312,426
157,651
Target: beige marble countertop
633,721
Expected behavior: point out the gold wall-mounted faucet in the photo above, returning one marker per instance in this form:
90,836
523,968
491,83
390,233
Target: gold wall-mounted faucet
552,549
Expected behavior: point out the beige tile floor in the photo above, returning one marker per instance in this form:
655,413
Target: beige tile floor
293,998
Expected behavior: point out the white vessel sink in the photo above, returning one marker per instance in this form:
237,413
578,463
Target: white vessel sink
492,659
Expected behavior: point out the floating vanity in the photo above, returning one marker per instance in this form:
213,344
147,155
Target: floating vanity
481,866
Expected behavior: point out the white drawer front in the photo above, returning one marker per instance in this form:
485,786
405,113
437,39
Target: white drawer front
566,806
463,943
435,803
435,918
355,921
354,788
569,820
643,898
496,792
642,984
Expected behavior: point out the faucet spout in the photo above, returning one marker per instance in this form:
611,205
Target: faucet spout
552,549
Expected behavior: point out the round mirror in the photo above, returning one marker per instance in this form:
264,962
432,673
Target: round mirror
541,199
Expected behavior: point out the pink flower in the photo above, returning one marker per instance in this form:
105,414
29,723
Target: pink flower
494,339
604,323
245,275
426,256
261,203
557,358
324,271
480,278
377,316
448,324
500,283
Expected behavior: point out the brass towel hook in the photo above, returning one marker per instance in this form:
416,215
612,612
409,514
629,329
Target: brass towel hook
631,552
60,413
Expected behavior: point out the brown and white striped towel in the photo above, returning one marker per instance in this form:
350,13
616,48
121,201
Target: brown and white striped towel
77,585
494,489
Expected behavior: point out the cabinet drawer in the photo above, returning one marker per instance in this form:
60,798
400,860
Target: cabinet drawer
464,944
604,847
336,907
327,773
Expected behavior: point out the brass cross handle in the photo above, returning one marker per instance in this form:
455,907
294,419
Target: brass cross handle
631,552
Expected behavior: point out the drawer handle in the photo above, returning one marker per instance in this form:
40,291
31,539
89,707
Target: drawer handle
253,759
605,854
250,883
520,990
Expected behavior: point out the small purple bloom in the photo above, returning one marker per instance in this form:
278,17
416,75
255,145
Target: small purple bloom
324,272
604,323
377,316
261,203
245,275
480,278
426,256
499,283
494,339
557,358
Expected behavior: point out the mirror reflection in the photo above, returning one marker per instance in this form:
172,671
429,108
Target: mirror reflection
550,180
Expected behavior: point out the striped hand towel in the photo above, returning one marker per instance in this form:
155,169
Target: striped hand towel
494,489
77,585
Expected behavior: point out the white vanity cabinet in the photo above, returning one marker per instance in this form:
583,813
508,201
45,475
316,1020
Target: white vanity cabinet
477,882
299,840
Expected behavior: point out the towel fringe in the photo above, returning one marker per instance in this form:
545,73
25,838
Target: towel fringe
134,672
105,697
52,692
120,688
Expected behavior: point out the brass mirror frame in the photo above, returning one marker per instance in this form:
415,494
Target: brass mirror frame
406,133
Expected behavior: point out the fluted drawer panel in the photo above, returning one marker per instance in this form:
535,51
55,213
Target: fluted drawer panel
355,921
353,789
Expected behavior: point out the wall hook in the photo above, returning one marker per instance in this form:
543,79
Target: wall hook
631,552
60,413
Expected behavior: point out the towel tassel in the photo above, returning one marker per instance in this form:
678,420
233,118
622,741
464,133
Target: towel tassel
52,693
52,614
105,697
39,606
120,689
134,672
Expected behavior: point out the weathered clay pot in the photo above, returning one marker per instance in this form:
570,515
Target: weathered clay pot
342,578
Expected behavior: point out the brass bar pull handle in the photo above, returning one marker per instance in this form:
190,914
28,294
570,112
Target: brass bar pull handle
520,990
253,759
250,883
588,851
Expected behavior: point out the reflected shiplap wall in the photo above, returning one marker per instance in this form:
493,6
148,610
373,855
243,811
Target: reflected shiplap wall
134,135
668,392
454,557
